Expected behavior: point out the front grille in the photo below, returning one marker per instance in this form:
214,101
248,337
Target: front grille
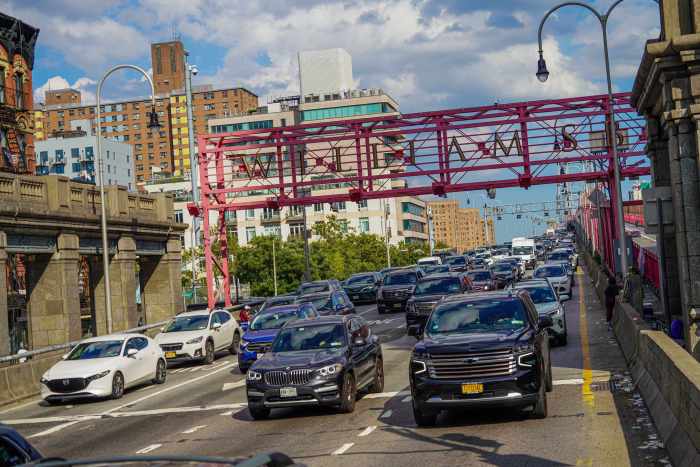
424,308
472,365
259,347
171,347
288,378
66,385
395,294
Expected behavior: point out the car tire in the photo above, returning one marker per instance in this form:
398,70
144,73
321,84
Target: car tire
161,372
117,386
539,410
235,344
550,383
377,385
259,412
424,418
208,352
563,339
348,394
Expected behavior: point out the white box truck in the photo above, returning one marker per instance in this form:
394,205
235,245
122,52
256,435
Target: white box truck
524,248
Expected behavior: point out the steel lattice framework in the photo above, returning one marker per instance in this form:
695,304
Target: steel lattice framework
428,153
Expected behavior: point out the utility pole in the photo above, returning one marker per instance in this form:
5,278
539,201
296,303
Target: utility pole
387,233
274,262
307,260
189,71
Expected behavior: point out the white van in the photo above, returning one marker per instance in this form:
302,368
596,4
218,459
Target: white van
429,261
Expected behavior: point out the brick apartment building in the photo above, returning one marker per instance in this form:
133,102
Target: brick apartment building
460,228
163,152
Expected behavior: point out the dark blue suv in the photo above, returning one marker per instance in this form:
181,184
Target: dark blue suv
264,328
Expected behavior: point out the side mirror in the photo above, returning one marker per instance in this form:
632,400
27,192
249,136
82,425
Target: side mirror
415,330
131,353
216,326
545,322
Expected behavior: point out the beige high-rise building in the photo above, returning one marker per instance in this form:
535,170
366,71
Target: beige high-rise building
460,228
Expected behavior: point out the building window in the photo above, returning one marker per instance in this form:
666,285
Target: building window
318,207
179,216
43,156
209,106
364,225
250,213
75,153
89,154
173,60
338,206
273,230
346,111
343,224
362,204
76,167
411,208
2,85
58,155
19,96
296,230
250,233
159,62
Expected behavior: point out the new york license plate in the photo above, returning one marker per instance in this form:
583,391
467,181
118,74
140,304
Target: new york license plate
472,388
170,354
288,392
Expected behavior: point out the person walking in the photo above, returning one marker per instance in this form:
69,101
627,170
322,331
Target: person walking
611,292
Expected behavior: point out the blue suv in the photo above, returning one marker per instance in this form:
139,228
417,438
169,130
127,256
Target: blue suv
264,328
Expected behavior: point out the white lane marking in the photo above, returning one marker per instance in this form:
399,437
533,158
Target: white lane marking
342,449
193,429
234,385
406,399
227,414
21,406
401,326
367,311
561,382
162,391
197,368
386,395
54,429
367,430
148,448
386,414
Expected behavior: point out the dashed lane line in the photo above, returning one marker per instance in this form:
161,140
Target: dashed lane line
54,429
564,382
367,431
234,385
342,449
149,448
387,395
193,429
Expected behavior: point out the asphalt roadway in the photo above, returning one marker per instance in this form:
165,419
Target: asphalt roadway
595,415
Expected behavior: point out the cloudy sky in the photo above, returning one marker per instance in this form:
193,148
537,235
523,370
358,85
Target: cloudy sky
428,54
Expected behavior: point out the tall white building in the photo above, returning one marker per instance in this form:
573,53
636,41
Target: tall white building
326,70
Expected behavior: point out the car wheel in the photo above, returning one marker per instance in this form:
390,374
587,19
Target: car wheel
539,410
235,344
348,394
258,412
117,386
550,383
424,418
209,353
161,372
377,385
380,310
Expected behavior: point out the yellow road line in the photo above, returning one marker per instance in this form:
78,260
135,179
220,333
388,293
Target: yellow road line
586,393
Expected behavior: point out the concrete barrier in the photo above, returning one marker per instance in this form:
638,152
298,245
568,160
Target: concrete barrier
21,381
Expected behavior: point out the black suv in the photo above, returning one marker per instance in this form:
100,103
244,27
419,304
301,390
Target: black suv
428,292
333,302
324,361
307,288
396,289
456,263
362,287
483,349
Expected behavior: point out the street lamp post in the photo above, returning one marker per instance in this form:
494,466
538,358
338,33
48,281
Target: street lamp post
152,123
192,70
542,75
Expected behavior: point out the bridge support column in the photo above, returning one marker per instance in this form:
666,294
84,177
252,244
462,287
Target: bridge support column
162,289
122,274
4,318
54,301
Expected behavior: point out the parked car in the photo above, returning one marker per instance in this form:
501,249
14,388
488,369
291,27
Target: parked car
199,335
558,276
325,361
477,263
481,350
362,287
435,269
307,288
456,263
15,449
104,366
504,273
547,303
334,302
264,327
396,289
481,279
428,292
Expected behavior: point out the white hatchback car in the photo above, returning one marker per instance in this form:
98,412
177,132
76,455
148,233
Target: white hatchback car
558,276
104,367
198,335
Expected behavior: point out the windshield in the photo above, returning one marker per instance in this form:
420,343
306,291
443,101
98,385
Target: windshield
456,260
272,320
436,269
188,323
321,302
479,276
549,271
313,287
366,279
327,336
522,250
438,286
541,294
502,267
401,278
477,316
559,256
102,349
277,301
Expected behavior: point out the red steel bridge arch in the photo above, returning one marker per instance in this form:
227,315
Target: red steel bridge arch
519,144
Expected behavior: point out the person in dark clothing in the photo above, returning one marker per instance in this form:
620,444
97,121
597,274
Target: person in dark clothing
611,292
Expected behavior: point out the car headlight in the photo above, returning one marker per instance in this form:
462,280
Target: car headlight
195,340
523,348
486,287
253,375
97,376
418,366
43,380
330,370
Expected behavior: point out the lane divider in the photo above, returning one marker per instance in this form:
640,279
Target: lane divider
149,448
193,429
367,431
342,449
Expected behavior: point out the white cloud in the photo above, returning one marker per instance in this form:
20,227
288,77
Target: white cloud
85,85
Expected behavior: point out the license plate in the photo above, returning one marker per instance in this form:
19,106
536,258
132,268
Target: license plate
355,297
472,388
170,354
397,305
288,392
